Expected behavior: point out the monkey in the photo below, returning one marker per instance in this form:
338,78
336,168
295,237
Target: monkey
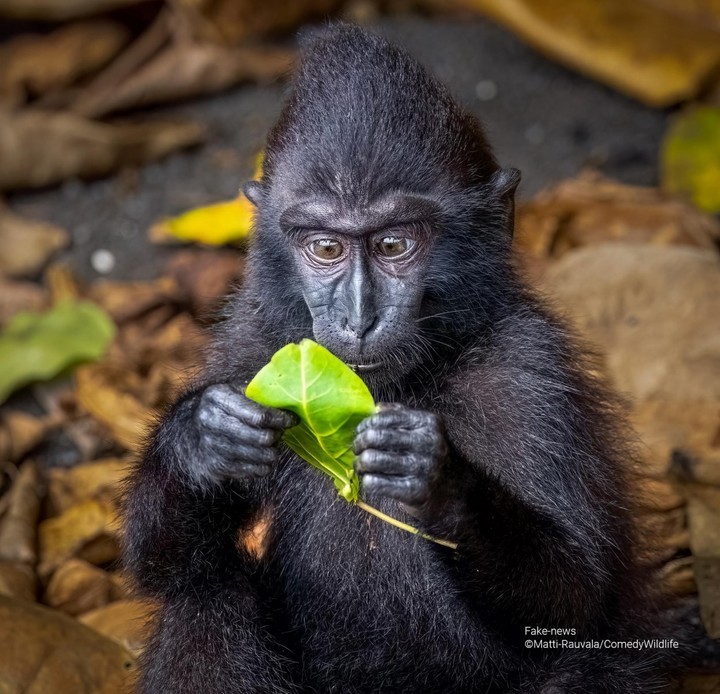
383,231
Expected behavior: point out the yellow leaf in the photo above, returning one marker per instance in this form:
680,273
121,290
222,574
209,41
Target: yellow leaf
214,225
690,159
653,54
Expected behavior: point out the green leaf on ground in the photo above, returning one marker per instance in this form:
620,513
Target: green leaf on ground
38,346
690,159
329,398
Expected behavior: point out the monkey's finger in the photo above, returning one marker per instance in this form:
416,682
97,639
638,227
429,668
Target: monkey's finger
399,418
408,490
235,430
385,463
393,439
233,402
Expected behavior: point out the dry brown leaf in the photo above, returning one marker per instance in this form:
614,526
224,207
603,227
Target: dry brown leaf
103,391
678,576
591,209
16,296
40,149
666,426
20,433
36,64
653,313
46,651
183,71
59,10
88,530
699,683
658,496
18,528
204,277
127,300
233,21
707,576
26,245
703,12
17,580
125,622
100,481
704,520
77,586
649,54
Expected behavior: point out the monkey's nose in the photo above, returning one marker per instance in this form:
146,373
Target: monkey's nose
359,326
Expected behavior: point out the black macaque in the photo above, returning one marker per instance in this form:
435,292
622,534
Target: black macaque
383,232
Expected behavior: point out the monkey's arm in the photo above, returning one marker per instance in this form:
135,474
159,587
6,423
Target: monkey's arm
518,474
186,504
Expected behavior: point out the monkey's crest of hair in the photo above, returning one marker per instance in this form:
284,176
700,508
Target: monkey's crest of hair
370,117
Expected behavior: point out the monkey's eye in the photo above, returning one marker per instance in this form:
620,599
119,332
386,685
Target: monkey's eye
325,249
393,246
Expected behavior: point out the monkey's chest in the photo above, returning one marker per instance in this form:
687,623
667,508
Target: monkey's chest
372,605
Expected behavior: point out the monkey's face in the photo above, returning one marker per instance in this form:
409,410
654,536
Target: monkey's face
362,273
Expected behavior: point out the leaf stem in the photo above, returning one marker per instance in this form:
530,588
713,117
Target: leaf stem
403,526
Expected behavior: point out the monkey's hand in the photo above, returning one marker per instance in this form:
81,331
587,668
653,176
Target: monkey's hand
237,437
401,453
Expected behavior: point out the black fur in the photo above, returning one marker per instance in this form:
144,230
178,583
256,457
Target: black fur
340,601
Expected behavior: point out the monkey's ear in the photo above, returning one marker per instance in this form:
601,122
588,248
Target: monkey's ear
254,192
504,182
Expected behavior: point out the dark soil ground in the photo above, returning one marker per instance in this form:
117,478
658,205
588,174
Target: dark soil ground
542,118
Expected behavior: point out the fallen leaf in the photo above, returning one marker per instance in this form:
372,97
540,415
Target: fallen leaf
18,296
204,277
218,224
88,530
690,156
592,209
18,528
59,10
234,21
36,64
657,495
657,343
18,581
678,576
38,346
182,71
666,426
649,54
704,12
77,587
61,283
699,683
20,433
46,651
39,149
707,576
101,391
126,622
97,481
125,301
27,245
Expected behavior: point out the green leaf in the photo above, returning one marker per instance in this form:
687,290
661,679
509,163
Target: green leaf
329,398
690,157
38,346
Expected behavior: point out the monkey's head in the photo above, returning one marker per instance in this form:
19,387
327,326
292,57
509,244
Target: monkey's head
383,219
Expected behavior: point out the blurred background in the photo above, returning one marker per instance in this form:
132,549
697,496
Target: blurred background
126,130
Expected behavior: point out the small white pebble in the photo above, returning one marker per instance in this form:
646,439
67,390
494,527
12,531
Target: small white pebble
486,90
535,134
102,261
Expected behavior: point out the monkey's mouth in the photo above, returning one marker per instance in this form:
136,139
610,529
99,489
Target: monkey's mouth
364,368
